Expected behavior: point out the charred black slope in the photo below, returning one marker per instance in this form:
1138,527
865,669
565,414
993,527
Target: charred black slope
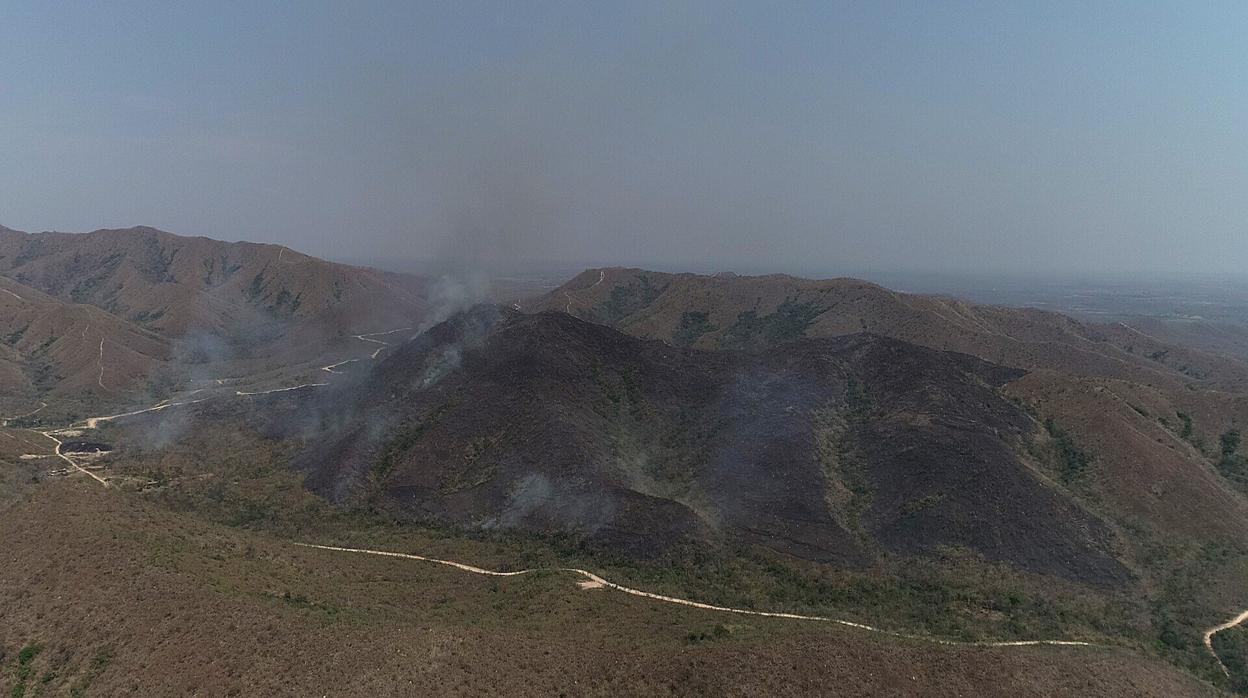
832,449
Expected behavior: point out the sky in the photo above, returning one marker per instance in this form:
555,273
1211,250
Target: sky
811,137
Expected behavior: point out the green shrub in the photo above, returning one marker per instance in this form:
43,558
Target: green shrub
693,324
789,321
626,300
1072,461
1230,443
1185,432
24,669
1232,648
1233,465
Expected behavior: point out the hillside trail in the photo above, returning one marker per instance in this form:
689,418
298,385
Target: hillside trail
567,308
245,393
330,368
100,361
5,421
367,337
1242,617
594,581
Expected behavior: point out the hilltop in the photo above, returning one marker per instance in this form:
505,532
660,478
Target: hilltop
1151,412
111,315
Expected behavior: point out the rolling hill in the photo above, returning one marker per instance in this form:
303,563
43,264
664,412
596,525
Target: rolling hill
1150,413
749,312
174,285
141,600
861,475
549,423
56,349
113,314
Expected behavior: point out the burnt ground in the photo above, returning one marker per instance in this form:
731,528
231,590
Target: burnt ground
85,447
834,450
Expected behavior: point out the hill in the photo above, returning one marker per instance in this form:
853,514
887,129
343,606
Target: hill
553,424
115,315
859,477
749,312
56,349
143,601
1148,413
173,284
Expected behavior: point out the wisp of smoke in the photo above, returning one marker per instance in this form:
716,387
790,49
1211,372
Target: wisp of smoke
454,292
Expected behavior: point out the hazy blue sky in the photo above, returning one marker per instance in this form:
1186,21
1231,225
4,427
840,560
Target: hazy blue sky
872,135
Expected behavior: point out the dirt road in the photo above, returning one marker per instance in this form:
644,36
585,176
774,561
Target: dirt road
330,368
567,308
72,462
5,422
368,338
1242,617
280,390
594,581
100,362
94,422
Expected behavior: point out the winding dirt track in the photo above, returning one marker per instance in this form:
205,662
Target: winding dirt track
366,338
366,335
100,361
595,581
72,462
5,422
567,308
1219,628
330,368
279,390
93,422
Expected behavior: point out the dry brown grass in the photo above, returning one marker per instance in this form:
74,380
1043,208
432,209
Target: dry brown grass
127,598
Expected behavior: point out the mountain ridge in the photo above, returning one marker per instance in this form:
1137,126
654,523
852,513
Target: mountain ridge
682,444
160,301
1072,366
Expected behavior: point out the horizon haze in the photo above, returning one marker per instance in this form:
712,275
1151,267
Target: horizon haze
888,137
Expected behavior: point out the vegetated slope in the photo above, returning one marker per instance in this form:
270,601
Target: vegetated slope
160,303
1151,453
1178,493
173,284
731,311
1213,336
139,600
831,450
53,348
